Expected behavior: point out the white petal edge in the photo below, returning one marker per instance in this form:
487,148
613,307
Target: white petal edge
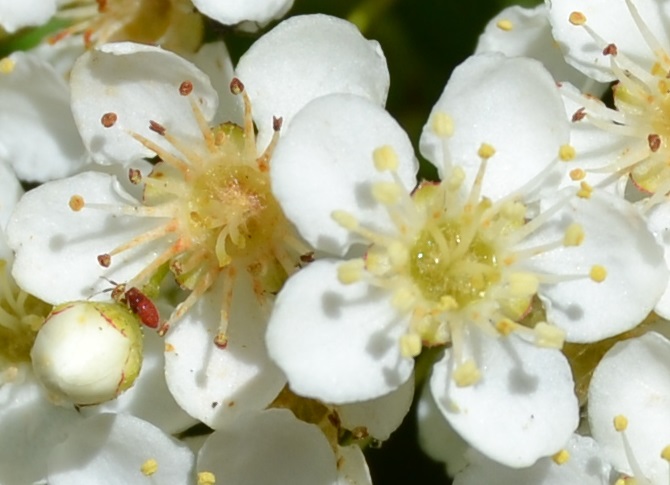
16,15
657,220
139,83
334,53
236,11
532,388
115,446
217,385
10,193
485,96
271,446
43,228
324,163
337,343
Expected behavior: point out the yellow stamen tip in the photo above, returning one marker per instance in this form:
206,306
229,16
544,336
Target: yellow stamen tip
345,220
206,478
665,453
585,190
76,203
467,374
574,235
443,124
505,25
7,65
577,18
620,423
567,153
577,174
505,326
562,457
549,336
350,271
598,273
486,151
410,345
149,467
385,158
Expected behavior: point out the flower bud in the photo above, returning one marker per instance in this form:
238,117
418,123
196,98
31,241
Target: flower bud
88,352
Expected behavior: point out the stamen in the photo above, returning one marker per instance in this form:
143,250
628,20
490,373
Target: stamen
109,119
562,457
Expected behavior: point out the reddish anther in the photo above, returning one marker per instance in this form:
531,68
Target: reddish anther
156,127
108,119
610,50
185,88
143,307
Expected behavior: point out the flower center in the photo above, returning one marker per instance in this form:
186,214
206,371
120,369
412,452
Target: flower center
221,214
172,23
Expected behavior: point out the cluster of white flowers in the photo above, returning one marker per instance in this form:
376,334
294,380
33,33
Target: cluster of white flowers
227,274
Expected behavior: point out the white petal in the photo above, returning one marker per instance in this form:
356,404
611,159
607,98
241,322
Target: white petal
114,447
633,379
43,228
236,11
37,133
380,416
530,36
334,53
271,446
611,20
138,83
657,220
149,398
324,162
10,192
636,272
486,96
337,343
352,468
30,427
214,60
15,15
216,385
585,466
535,406
436,436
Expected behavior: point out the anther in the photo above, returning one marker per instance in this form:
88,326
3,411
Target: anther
505,25
149,467
186,88
654,142
610,50
206,478
76,203
277,123
467,374
486,151
585,190
577,174
157,127
579,115
345,220
562,457
567,153
134,176
665,453
104,260
7,65
410,345
577,18
108,119
574,235
307,257
598,273
236,86
443,125
385,158
350,271
221,341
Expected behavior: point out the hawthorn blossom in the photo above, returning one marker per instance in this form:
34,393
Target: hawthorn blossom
628,408
206,211
457,262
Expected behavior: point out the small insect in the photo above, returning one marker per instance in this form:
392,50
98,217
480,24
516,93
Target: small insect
138,303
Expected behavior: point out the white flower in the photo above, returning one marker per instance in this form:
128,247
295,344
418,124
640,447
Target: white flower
457,262
207,213
629,407
627,42
16,15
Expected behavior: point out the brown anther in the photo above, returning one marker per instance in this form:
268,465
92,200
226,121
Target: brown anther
277,122
185,88
102,5
76,203
654,142
236,86
221,341
307,257
104,260
88,38
579,115
119,293
156,127
334,419
108,119
610,50
163,330
135,176
360,432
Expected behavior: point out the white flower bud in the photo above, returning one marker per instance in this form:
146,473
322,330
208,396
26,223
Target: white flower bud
88,352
